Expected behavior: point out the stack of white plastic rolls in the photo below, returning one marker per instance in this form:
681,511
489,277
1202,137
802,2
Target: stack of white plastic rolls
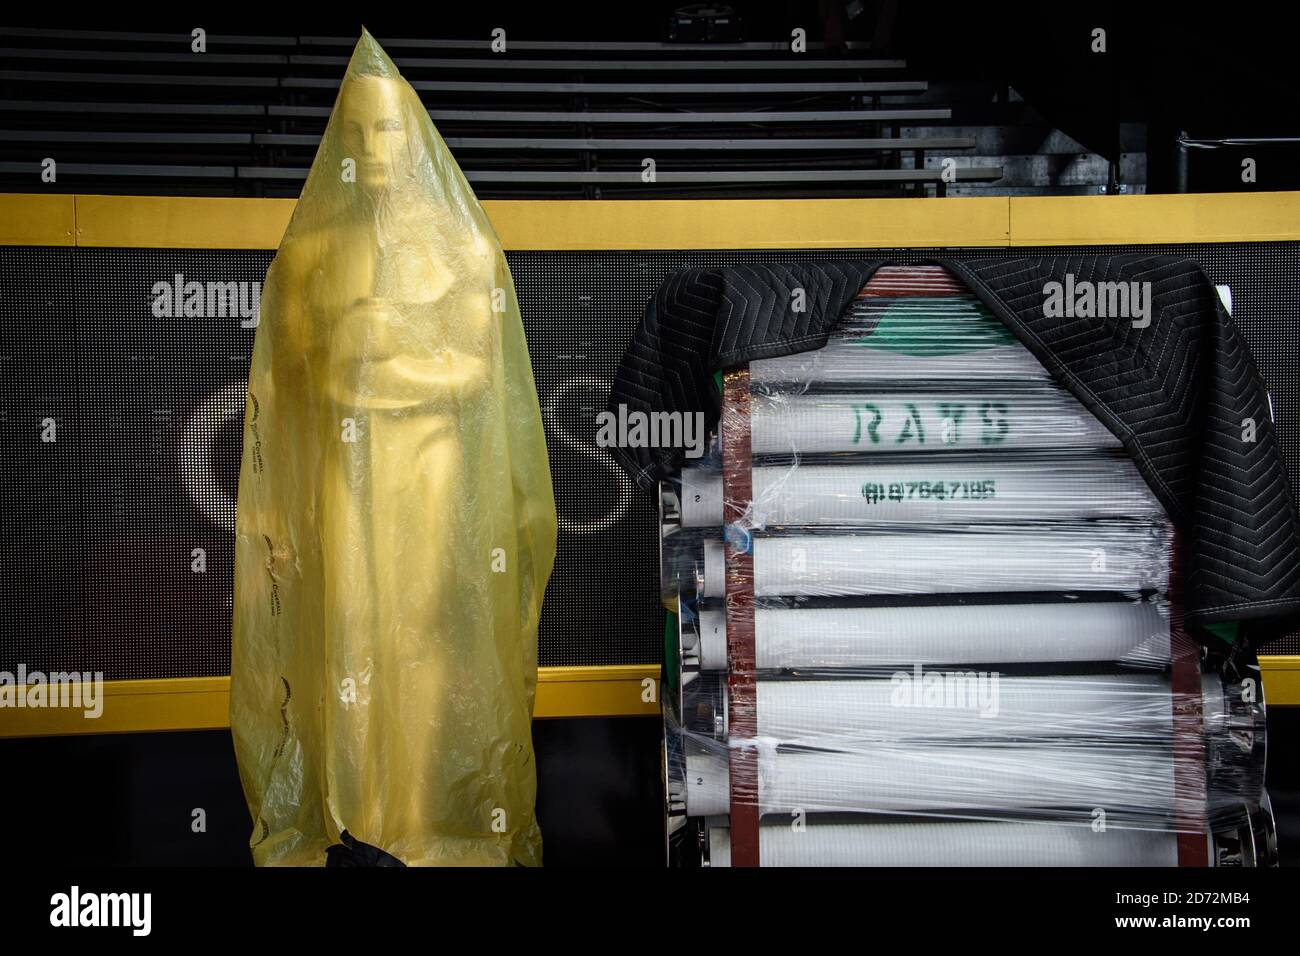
962,624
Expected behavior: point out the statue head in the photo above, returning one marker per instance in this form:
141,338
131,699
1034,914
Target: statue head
375,134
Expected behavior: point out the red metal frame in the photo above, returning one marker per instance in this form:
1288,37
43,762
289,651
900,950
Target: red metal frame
742,720
1190,799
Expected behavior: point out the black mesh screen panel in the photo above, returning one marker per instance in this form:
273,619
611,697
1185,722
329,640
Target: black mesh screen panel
41,538
108,519
162,401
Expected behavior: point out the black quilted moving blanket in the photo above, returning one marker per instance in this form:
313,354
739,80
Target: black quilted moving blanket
1177,393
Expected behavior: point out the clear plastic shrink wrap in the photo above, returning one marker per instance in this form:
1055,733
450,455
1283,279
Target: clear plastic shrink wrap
967,647
396,526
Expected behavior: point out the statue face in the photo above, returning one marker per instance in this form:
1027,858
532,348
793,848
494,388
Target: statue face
374,130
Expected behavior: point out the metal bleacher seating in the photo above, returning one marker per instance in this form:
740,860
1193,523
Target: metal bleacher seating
131,112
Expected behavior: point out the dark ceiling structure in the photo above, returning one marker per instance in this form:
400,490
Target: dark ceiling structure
660,100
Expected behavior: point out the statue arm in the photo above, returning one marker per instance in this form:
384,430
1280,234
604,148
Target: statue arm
457,371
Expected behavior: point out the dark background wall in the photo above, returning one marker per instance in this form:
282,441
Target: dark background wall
97,558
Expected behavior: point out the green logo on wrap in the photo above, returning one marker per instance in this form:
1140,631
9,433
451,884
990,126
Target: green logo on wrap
938,331
905,423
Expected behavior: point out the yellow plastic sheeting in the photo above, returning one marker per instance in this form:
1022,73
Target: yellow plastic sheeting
396,523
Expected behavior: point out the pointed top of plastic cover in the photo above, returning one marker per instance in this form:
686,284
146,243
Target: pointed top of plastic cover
368,57
381,154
